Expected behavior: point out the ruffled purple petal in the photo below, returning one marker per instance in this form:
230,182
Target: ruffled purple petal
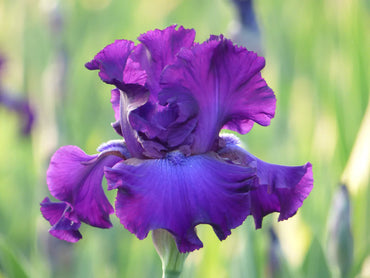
280,188
227,84
75,178
122,63
135,70
170,123
64,226
161,122
290,184
111,62
160,49
177,193
180,130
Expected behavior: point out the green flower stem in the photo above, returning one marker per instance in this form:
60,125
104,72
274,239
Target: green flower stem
172,259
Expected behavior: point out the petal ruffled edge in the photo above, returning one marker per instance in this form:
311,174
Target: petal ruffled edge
64,226
111,62
122,63
227,84
159,50
75,178
280,188
177,193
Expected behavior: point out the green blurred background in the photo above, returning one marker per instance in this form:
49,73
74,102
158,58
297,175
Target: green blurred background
317,62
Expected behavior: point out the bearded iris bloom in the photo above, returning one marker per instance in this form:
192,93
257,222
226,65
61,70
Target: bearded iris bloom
173,170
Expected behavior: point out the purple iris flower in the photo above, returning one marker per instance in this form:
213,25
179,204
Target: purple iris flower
173,170
18,104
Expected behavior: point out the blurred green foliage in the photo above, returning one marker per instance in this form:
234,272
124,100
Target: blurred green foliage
317,62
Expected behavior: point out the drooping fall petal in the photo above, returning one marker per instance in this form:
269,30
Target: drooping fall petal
177,193
75,178
64,225
280,188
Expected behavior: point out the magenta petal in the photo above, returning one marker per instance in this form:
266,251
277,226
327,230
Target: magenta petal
111,61
177,193
63,225
280,188
227,84
75,178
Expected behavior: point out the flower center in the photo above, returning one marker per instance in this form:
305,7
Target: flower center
176,157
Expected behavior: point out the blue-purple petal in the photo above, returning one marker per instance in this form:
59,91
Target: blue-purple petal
64,226
177,193
280,188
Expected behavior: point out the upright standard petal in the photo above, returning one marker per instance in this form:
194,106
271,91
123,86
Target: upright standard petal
280,188
160,50
111,62
227,84
177,193
122,63
75,178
